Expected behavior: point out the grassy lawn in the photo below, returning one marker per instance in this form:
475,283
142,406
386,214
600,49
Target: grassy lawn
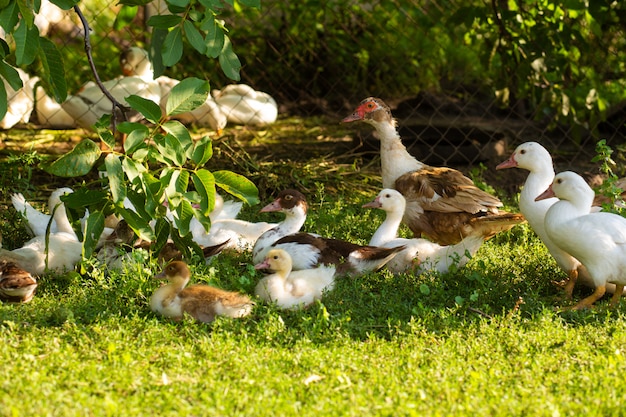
482,340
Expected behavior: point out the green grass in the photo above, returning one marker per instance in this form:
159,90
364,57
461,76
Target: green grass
482,340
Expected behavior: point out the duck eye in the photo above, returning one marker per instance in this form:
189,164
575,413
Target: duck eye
288,197
558,181
523,151
275,257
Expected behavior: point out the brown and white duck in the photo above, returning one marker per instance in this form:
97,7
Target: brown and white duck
419,255
290,289
442,204
293,204
202,302
16,284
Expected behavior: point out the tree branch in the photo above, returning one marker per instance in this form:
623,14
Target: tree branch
115,103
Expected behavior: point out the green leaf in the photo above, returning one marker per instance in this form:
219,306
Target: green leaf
162,230
237,185
9,16
184,214
131,3
26,44
214,37
139,225
85,197
132,168
164,21
148,108
229,61
173,47
156,51
251,3
202,151
65,4
153,190
94,226
136,135
115,174
103,129
3,101
178,3
194,37
187,95
27,15
204,182
11,75
53,69
79,161
180,132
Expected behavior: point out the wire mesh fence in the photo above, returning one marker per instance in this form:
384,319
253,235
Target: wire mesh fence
456,102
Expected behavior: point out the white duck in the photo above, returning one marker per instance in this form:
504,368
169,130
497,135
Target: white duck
442,203
598,240
293,204
136,62
202,302
244,105
20,103
240,234
536,159
90,103
419,254
292,289
36,221
59,251
51,114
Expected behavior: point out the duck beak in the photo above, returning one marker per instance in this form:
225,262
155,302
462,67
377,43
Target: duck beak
160,275
263,265
273,206
546,194
358,114
509,163
373,204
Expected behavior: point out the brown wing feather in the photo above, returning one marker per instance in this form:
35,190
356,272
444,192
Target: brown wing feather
445,190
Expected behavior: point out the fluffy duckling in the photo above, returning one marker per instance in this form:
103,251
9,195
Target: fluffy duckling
293,204
16,284
419,254
242,104
202,302
292,289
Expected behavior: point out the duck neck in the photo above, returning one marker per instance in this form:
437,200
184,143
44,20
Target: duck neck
61,220
388,230
538,180
177,284
294,220
395,159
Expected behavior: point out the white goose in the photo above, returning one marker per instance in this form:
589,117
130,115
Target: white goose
292,289
442,204
536,159
598,240
293,204
419,254
244,105
57,252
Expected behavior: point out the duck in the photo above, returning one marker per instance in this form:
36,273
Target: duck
419,255
242,104
16,284
442,204
202,302
240,235
57,251
20,102
38,222
293,204
89,104
536,159
289,289
49,113
597,240
135,62
225,209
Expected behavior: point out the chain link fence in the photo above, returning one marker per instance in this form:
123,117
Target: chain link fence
456,105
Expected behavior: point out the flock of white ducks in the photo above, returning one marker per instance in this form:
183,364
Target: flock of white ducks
440,204
237,103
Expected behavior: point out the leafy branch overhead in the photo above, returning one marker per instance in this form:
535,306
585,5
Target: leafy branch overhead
192,20
142,194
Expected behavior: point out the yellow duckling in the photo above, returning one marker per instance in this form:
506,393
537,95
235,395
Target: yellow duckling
202,302
292,289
